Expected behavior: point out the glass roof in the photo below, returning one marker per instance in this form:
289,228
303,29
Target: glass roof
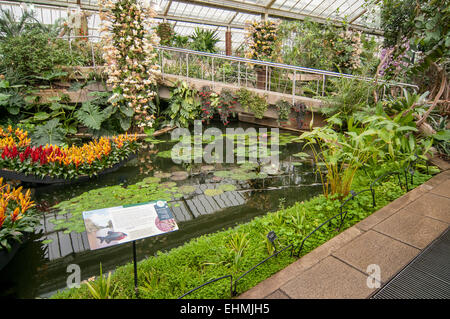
218,15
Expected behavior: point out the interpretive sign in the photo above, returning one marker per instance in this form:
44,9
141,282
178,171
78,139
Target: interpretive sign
117,225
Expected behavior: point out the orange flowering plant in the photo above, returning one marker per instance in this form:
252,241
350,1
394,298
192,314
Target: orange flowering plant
18,154
15,216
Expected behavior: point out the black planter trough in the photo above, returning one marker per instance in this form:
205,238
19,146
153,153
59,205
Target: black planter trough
13,175
6,256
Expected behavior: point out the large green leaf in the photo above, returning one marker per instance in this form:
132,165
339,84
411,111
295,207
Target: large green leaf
90,115
50,133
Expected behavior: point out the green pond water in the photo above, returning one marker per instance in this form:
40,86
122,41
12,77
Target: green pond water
205,198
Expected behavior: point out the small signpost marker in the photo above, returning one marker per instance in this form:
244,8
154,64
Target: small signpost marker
271,236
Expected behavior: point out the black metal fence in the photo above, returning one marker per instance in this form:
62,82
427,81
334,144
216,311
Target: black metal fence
411,167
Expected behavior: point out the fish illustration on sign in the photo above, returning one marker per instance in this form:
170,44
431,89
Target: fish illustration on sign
112,236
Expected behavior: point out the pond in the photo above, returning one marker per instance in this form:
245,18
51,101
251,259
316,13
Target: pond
205,198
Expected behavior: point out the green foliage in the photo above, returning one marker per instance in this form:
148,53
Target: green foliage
284,110
397,19
183,105
11,97
101,288
253,102
165,32
342,155
90,115
204,40
50,133
326,46
348,97
181,41
236,250
34,54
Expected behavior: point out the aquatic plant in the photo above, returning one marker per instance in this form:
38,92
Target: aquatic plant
149,189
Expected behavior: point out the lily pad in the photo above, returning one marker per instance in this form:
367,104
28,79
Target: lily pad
223,174
207,168
151,179
187,189
179,176
227,187
162,175
212,192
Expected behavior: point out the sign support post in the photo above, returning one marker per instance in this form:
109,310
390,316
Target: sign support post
136,290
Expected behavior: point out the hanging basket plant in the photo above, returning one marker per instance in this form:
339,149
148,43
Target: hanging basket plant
165,32
262,40
284,110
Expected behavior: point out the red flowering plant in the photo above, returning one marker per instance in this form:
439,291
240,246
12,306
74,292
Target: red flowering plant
15,215
207,106
226,105
17,154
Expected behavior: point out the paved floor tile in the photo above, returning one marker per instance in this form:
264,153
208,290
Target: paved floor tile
374,248
431,205
277,294
442,189
331,279
376,218
412,229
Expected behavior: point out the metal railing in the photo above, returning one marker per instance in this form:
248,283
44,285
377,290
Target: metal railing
339,218
242,72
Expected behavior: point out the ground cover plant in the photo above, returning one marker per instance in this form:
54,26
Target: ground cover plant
235,250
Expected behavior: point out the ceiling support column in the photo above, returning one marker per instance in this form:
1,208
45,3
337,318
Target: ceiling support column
228,43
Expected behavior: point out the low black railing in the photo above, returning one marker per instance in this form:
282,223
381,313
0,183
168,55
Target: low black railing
341,215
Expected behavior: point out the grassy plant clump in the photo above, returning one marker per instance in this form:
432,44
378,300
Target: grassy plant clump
235,250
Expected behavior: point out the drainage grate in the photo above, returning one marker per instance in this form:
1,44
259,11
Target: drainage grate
426,277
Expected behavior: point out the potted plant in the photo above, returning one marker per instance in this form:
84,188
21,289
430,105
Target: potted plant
16,220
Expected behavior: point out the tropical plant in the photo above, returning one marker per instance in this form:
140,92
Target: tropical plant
50,133
130,56
11,97
165,32
18,154
183,106
284,110
10,26
16,217
204,40
34,54
262,40
180,41
349,96
341,154
326,46
253,102
238,242
226,104
208,103
101,288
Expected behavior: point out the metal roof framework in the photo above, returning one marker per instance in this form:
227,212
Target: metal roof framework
220,15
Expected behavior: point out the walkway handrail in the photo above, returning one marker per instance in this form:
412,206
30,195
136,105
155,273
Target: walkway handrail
267,64
283,66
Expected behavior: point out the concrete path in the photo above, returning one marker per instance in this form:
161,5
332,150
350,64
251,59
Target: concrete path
390,238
